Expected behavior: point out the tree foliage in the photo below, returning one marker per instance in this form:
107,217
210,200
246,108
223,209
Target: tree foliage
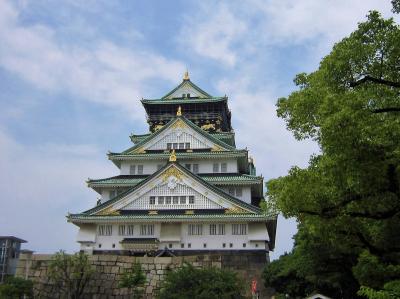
206,283
16,288
347,201
133,279
70,273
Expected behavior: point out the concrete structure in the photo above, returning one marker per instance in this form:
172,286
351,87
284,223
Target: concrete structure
10,248
184,186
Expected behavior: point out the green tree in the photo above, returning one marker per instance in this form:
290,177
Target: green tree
208,283
70,273
133,279
348,198
16,287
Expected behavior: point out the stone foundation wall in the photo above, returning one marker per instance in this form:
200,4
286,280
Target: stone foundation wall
109,269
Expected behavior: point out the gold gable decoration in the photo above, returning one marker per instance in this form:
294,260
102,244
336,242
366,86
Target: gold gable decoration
179,112
172,157
207,127
178,124
172,171
217,148
139,150
110,211
236,210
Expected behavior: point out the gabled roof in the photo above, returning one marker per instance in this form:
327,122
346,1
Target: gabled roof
220,179
237,202
184,100
205,134
227,137
187,83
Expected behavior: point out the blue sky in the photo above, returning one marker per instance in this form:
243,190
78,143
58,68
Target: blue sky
72,74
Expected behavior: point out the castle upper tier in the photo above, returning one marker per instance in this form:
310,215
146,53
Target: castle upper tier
182,187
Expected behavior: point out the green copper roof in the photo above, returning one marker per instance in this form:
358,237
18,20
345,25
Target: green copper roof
171,123
227,137
179,155
82,218
191,84
183,100
218,191
126,180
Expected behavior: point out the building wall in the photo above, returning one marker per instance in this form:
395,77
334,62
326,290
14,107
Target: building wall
255,238
205,166
109,268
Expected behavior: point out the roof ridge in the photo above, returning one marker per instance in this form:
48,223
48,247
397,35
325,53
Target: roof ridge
187,172
188,122
186,81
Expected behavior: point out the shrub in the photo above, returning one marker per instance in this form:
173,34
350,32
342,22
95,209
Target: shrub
208,283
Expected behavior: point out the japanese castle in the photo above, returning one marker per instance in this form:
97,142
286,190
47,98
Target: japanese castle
183,187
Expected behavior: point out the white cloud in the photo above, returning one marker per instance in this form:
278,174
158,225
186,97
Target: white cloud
40,184
213,34
230,30
104,73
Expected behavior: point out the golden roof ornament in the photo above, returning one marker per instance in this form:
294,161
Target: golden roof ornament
179,112
186,76
172,157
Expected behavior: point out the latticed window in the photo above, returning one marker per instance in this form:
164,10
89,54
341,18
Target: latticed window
102,230
140,169
132,169
121,230
161,200
191,199
168,200
213,229
195,229
239,229
182,200
130,230
215,167
108,230
221,229
175,200
224,167
195,168
152,200
105,230
217,229
147,229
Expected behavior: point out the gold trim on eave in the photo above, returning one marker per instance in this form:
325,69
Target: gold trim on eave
236,210
172,157
108,212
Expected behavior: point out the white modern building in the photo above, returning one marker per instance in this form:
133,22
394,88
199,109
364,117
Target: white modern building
184,187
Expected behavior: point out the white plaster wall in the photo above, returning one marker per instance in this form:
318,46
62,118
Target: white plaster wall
107,241
200,202
214,242
149,167
246,192
205,166
106,193
186,88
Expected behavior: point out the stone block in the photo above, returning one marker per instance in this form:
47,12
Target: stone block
163,260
